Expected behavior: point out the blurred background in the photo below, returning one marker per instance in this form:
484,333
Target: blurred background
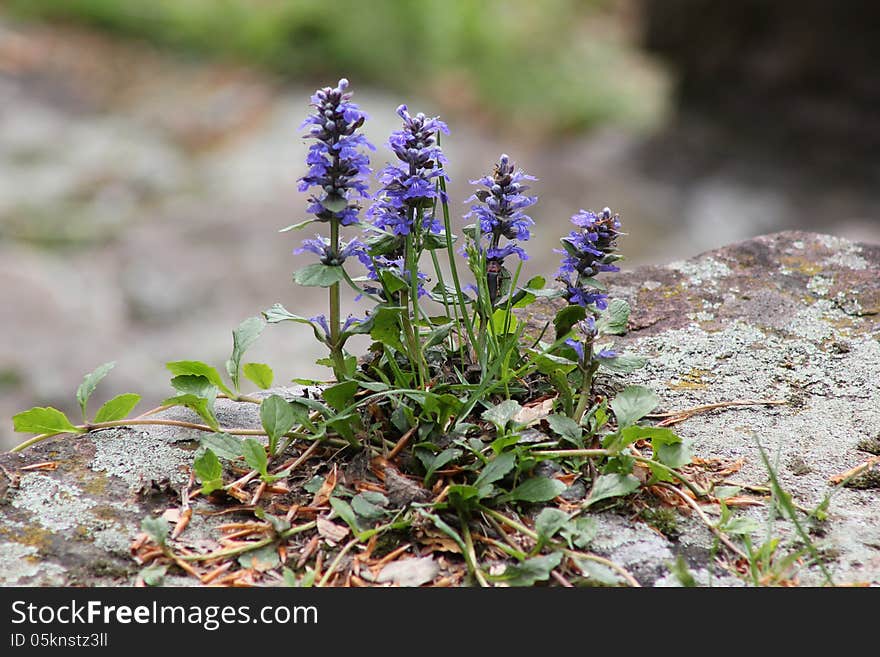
149,150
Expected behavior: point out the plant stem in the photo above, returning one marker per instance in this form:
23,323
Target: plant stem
471,556
335,563
335,311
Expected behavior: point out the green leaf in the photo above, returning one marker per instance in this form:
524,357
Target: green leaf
278,313
340,395
255,455
209,471
682,573
629,435
434,462
260,374
190,384
297,226
612,485
597,572
153,574
502,414
496,469
368,505
344,511
566,319
261,559
567,428
334,202
392,282
223,445
90,382
548,522
438,335
503,323
117,408
157,529
203,407
742,525
632,404
579,532
536,569
319,275
277,418
463,496
243,339
615,318
197,368
536,489
386,327
675,455
43,420
623,364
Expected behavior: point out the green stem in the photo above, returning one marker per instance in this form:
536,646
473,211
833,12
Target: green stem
453,269
471,553
335,311
335,563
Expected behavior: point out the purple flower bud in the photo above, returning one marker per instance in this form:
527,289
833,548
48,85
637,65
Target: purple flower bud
588,251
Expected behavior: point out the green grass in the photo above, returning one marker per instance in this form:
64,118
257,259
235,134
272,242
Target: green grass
553,65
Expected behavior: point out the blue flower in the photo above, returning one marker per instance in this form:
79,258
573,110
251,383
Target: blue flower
412,184
321,246
499,212
337,166
588,251
396,266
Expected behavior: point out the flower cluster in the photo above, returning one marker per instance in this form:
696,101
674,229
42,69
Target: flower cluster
500,211
321,246
337,165
588,332
589,250
412,184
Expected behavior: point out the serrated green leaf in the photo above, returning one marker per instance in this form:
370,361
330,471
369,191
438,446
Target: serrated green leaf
156,528
501,414
243,339
260,374
261,559
278,313
623,364
340,395
203,407
198,368
612,485
548,522
567,428
153,574
255,455
223,445
277,417
117,408
319,275
566,319
209,472
632,404
90,382
43,420
613,321
536,569
496,469
536,489
369,505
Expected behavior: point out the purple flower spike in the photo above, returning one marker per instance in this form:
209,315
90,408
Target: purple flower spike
338,168
412,183
588,252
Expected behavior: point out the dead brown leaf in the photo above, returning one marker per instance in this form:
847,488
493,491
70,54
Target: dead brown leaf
331,531
326,490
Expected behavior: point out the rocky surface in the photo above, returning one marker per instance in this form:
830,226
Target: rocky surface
791,316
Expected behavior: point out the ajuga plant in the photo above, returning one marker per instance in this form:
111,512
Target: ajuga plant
456,389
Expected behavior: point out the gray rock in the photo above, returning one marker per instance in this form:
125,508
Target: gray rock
761,319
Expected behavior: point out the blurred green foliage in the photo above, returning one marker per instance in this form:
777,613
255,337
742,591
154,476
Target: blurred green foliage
550,63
